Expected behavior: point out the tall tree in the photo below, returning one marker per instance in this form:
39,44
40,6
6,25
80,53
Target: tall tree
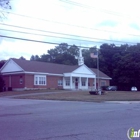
22,58
61,54
2,62
4,4
90,62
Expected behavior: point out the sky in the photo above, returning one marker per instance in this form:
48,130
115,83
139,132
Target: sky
83,23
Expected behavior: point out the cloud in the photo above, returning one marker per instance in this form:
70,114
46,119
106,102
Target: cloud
22,48
103,15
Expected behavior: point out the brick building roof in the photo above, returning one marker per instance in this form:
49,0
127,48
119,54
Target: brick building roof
43,67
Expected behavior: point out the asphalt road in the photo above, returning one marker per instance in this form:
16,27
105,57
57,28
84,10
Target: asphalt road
22,119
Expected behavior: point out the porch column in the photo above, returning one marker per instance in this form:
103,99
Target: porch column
95,82
79,82
63,82
70,82
87,83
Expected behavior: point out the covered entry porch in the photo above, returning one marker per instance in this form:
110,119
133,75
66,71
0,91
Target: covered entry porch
79,81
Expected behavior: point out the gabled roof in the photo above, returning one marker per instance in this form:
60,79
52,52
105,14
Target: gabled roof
36,66
101,74
52,68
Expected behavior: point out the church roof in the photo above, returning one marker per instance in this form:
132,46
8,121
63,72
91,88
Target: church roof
44,67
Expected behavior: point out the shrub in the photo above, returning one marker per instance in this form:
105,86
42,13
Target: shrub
2,84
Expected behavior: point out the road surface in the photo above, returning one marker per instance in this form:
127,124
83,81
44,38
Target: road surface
25,119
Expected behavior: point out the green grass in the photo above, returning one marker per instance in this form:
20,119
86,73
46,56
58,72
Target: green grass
10,93
85,96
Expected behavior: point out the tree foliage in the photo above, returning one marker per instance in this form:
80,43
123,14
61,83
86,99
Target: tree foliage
2,62
5,4
61,54
22,58
2,83
121,64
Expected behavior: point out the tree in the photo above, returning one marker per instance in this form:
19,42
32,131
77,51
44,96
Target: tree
2,84
22,58
2,62
61,54
35,58
4,4
90,62
122,64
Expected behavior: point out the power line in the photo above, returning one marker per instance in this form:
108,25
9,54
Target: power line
95,39
21,27
95,8
38,41
31,40
45,35
67,24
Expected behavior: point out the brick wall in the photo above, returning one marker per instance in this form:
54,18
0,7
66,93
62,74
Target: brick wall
52,82
14,80
28,81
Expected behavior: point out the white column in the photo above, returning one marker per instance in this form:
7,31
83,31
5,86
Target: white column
70,82
63,82
79,83
87,83
95,82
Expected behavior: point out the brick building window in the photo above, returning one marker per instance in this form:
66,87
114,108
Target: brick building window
83,83
40,80
67,82
103,83
60,83
21,80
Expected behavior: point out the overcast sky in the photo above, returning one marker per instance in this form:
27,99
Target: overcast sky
96,21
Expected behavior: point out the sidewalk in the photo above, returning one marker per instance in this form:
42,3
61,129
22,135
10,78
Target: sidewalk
123,102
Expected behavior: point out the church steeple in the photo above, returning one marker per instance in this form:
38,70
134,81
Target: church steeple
80,58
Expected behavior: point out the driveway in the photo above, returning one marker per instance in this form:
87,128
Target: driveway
25,119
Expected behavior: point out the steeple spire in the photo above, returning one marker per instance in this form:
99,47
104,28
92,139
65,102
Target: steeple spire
80,58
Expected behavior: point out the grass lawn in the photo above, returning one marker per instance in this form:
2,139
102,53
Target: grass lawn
10,93
85,96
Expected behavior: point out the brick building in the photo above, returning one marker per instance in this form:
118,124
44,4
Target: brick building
23,74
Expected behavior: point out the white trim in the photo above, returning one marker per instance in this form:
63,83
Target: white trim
103,78
43,79
55,74
84,66
32,73
79,75
12,73
65,74
41,73
8,62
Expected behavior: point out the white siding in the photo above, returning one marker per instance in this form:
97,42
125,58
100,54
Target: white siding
83,70
11,66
